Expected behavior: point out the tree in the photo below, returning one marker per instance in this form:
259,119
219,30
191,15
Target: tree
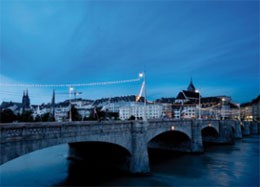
26,116
45,117
131,118
114,115
74,114
37,118
7,116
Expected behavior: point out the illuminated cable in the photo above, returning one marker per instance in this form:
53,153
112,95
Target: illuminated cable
73,85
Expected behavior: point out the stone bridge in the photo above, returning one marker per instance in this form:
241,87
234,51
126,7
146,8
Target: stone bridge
133,138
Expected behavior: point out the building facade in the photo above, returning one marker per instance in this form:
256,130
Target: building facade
190,104
186,103
256,109
251,110
141,111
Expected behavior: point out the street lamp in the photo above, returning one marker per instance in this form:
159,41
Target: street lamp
70,91
222,108
142,76
197,91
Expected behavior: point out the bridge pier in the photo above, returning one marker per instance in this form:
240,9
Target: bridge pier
196,141
246,128
253,127
139,161
238,131
226,134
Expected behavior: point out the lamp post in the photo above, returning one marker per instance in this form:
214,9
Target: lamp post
197,91
222,108
142,75
70,91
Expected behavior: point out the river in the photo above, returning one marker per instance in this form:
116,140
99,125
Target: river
219,165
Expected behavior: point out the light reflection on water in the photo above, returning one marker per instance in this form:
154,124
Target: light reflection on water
226,165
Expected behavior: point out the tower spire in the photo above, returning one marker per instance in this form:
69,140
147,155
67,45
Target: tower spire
53,105
53,97
191,87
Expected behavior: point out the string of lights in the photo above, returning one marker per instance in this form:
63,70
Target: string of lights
71,85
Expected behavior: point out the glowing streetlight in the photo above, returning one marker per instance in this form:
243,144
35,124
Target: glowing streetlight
142,76
197,91
222,108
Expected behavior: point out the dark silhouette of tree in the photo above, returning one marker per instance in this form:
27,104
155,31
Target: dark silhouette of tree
98,114
45,117
51,117
37,118
131,118
114,115
7,116
26,116
74,114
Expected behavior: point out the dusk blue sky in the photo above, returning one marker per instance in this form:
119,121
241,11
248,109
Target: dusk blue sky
51,42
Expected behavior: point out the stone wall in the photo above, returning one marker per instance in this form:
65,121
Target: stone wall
133,136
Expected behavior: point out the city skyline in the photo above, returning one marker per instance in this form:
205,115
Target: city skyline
64,42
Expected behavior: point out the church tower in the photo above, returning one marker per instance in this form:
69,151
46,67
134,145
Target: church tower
191,87
53,104
26,101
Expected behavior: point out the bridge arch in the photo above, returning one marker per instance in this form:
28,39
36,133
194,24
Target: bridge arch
211,124
97,156
171,140
209,131
23,149
169,128
20,140
209,134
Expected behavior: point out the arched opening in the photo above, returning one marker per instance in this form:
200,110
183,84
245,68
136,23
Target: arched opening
168,145
95,162
209,135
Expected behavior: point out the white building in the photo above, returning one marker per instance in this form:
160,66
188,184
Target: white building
185,111
61,113
139,111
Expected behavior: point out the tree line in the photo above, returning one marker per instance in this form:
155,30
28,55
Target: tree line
8,116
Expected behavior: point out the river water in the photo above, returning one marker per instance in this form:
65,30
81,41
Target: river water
220,165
